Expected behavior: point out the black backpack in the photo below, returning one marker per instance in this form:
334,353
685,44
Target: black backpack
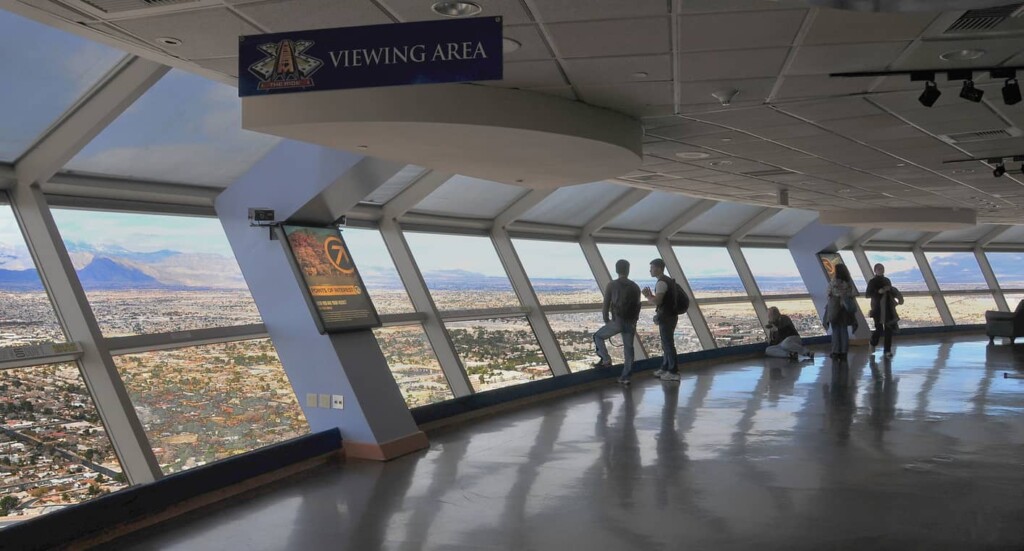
682,300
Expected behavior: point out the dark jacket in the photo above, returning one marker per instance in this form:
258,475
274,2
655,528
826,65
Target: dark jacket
622,300
872,292
784,329
667,309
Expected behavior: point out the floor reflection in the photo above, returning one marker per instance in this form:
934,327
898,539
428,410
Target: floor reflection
854,454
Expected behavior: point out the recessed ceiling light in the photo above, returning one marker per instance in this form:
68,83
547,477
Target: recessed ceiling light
456,9
363,147
640,74
720,163
692,155
508,45
962,55
169,41
962,171
847,190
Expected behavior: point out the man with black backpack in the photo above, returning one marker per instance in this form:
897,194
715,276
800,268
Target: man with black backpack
670,301
622,301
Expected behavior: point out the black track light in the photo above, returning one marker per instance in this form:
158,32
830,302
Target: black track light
999,170
930,95
1011,92
970,93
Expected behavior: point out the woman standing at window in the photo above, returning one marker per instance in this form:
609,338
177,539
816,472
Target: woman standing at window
840,313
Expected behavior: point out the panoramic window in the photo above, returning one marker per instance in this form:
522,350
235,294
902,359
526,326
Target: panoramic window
804,315
185,128
413,364
463,272
733,324
54,450
26,313
204,403
498,352
710,271
53,68
378,271
148,273
639,258
774,271
901,268
575,334
851,263
558,272
956,271
685,337
1009,270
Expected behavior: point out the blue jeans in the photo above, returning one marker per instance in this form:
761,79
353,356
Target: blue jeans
615,327
667,331
840,338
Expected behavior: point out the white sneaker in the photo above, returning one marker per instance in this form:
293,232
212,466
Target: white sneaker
659,373
670,376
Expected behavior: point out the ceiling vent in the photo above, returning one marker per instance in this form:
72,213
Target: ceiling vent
982,136
768,173
984,20
120,6
650,178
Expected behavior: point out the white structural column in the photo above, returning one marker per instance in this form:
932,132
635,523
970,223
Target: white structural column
72,307
405,263
603,278
98,108
933,287
528,298
805,246
863,263
990,278
700,325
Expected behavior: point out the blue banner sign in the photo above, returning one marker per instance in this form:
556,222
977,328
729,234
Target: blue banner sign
425,52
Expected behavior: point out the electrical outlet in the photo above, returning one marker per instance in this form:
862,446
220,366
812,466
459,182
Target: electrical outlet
310,400
338,401
325,401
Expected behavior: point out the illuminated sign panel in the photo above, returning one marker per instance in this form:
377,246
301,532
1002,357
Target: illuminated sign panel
334,289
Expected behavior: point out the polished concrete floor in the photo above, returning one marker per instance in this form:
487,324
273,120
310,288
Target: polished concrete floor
923,452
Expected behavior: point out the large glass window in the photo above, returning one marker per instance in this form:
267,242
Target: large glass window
185,128
463,272
775,271
956,271
204,403
378,271
733,324
575,334
639,258
48,70
901,268
498,352
148,273
1012,300
710,271
803,313
54,450
850,260
685,337
969,309
413,364
558,272
919,311
26,314
1009,269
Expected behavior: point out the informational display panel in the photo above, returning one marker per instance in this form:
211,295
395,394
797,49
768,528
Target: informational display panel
334,288
423,52
829,261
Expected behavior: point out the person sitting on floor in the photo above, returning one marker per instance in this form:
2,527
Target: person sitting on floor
783,339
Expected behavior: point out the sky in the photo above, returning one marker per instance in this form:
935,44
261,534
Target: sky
143,232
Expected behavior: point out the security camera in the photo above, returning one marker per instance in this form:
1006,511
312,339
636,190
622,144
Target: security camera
261,217
341,222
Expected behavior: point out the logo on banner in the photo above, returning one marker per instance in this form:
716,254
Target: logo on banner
286,65
338,256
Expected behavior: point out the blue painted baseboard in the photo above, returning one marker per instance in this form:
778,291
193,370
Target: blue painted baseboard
139,502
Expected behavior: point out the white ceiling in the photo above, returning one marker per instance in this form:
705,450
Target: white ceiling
833,143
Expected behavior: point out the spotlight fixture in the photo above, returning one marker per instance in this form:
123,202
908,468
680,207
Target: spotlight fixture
456,9
1011,92
999,170
970,93
930,95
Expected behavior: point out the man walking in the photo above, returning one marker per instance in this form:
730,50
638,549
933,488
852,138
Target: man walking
622,301
882,313
666,318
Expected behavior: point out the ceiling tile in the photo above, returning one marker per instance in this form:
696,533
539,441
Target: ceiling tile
846,26
821,86
823,60
748,89
532,44
282,15
709,6
926,53
203,33
226,65
610,70
739,30
733,64
531,74
611,38
511,11
628,98
574,10
823,110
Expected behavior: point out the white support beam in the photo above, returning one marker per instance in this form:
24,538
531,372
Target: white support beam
927,238
76,316
98,108
603,278
750,225
528,298
749,283
417,191
612,212
933,287
862,260
990,278
434,328
348,190
520,207
867,236
687,216
700,325
992,235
